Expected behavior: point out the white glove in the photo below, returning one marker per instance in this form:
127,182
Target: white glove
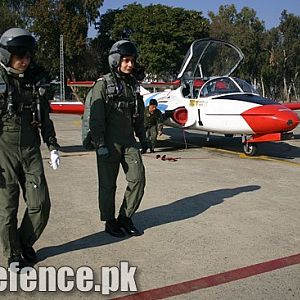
54,159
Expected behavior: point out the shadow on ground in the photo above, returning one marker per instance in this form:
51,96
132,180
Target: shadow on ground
72,149
177,139
182,209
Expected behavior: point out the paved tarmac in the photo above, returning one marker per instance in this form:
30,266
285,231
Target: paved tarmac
217,224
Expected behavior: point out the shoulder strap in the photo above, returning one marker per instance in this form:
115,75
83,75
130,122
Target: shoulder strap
3,78
4,88
111,86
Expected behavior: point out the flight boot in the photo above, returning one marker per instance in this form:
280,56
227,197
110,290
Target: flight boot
18,259
113,228
128,226
29,254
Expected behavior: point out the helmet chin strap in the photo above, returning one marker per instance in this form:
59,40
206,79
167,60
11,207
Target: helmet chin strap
12,71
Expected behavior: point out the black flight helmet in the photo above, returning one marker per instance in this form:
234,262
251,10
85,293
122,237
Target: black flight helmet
119,50
16,41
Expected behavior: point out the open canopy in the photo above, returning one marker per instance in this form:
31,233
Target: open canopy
208,58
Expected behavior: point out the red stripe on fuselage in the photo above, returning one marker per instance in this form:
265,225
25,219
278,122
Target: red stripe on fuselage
271,118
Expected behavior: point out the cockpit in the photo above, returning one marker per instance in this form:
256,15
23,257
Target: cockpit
211,63
226,85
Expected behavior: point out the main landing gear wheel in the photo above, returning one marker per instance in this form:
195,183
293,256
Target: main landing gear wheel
250,148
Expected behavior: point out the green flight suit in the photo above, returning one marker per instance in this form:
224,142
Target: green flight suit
114,122
21,163
153,124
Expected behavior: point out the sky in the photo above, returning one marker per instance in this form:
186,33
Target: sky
266,10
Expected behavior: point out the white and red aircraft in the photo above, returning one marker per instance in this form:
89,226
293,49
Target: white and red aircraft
206,101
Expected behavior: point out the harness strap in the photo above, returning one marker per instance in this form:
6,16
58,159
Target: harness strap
21,107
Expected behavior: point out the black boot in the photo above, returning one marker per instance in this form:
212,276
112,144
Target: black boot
113,228
128,226
29,254
16,258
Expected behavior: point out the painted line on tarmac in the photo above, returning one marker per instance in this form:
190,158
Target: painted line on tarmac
243,155
213,280
269,158
259,157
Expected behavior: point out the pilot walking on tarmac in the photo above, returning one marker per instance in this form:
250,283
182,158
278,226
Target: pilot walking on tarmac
153,123
23,114
117,116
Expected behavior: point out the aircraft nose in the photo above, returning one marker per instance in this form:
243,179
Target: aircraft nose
271,118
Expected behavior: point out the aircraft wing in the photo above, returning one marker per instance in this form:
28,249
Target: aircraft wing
161,84
74,107
81,83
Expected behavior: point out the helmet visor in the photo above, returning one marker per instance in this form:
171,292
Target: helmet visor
20,51
21,45
128,49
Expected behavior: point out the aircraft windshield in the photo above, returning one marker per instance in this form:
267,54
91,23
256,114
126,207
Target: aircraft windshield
245,86
219,86
208,58
226,85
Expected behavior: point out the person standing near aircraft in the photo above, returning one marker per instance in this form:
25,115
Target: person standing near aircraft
153,123
116,117
23,114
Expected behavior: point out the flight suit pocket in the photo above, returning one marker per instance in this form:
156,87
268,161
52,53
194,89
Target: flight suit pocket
133,166
35,192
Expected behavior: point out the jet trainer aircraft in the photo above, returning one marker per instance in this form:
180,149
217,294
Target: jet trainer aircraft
209,99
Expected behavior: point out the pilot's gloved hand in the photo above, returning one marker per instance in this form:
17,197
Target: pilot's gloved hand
54,159
102,151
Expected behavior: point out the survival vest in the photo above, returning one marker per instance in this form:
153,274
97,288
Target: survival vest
113,96
7,103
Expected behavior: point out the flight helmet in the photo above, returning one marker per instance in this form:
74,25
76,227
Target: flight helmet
16,41
119,50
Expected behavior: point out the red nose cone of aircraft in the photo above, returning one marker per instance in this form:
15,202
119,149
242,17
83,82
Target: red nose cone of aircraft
271,118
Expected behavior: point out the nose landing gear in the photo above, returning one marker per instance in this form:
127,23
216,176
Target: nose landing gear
250,148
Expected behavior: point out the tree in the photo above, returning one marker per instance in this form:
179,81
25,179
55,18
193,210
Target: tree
269,68
283,47
246,31
70,18
9,17
162,33
101,45
289,29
